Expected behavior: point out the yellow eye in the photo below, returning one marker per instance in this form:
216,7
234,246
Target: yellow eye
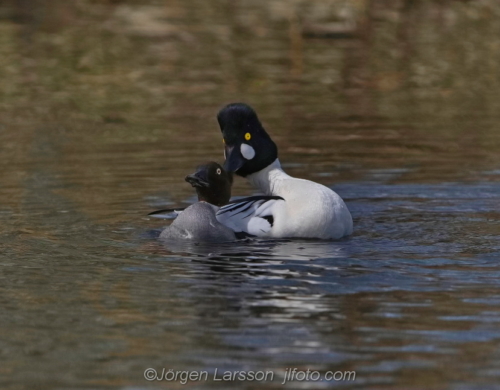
248,136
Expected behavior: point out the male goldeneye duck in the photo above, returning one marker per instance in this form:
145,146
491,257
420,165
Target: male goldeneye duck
307,209
198,222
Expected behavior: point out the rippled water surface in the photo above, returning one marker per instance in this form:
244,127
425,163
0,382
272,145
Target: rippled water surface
105,107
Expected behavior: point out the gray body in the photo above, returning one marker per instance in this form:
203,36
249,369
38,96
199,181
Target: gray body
198,223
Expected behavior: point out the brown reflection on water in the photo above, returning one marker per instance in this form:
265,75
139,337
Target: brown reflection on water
378,83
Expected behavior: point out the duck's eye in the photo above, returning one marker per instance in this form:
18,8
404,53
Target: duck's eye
248,136
218,171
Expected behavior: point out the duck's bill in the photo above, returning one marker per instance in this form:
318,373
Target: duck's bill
234,159
196,180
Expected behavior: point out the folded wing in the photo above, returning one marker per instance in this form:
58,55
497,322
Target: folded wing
252,215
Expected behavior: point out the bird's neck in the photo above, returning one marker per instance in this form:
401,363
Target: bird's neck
267,179
214,207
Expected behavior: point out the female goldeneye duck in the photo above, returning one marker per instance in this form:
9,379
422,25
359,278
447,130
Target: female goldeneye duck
307,209
198,222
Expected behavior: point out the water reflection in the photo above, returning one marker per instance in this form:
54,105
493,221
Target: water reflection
255,249
380,302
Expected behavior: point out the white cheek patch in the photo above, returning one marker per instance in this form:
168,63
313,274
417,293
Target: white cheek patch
247,151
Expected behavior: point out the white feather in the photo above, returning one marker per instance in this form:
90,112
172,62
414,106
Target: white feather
247,151
309,209
250,215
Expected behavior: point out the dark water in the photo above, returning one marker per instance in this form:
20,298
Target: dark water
105,107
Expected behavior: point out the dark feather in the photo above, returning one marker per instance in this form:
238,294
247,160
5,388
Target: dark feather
255,198
269,218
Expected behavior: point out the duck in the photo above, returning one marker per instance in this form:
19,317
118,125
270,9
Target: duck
299,208
198,222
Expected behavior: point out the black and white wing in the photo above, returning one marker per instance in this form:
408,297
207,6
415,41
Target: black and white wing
167,213
253,215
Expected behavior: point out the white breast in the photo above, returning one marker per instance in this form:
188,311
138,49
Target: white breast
310,210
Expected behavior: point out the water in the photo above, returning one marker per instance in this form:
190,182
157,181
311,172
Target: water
106,106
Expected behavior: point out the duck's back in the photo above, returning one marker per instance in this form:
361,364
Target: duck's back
198,223
310,210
